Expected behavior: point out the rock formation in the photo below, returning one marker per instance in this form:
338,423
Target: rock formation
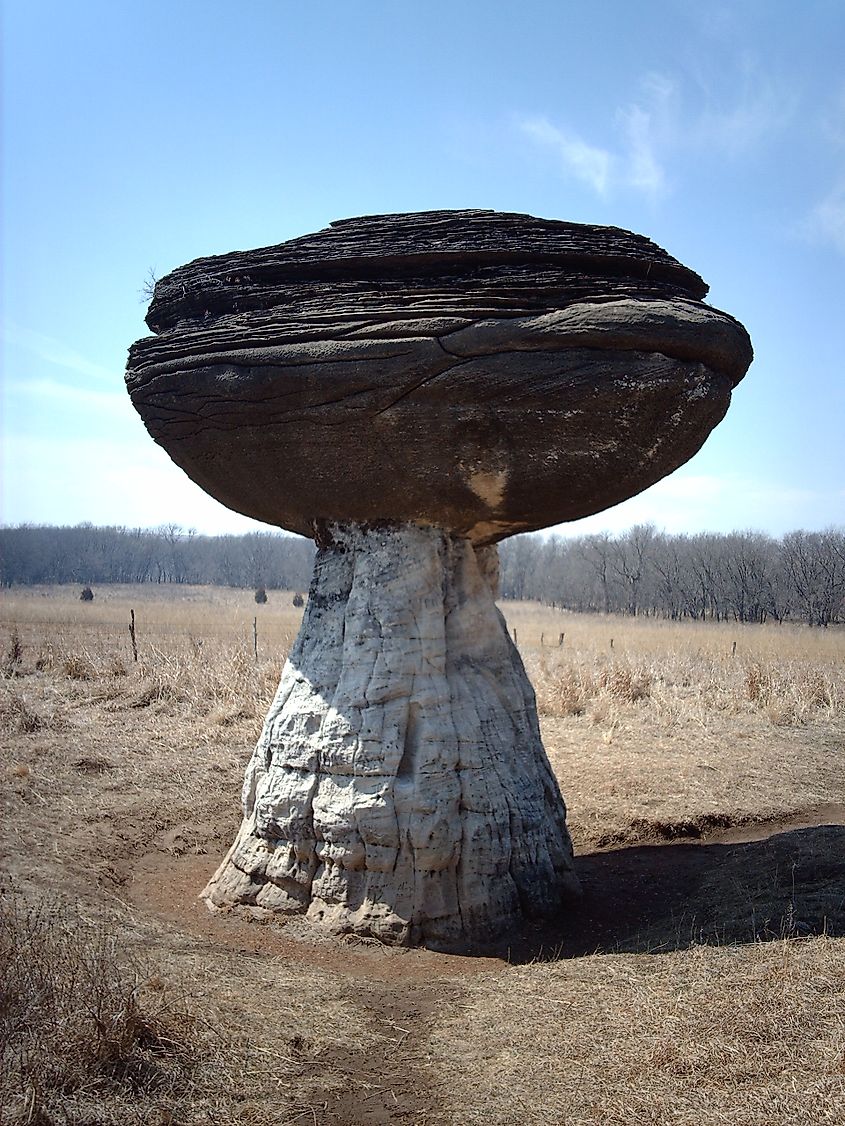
409,389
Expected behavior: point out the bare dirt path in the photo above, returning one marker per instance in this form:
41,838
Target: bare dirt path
381,1080
628,889
640,897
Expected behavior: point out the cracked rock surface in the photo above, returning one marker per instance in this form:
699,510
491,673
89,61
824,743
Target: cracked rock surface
400,788
484,372
408,390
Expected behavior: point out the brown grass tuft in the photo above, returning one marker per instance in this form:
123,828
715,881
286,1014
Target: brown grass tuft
12,660
626,682
790,693
16,716
565,691
77,1015
681,685
79,666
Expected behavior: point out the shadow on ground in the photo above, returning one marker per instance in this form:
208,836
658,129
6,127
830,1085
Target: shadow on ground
654,898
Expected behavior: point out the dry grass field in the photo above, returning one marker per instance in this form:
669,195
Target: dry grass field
700,980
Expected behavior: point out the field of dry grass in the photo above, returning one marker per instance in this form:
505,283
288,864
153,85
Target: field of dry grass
700,980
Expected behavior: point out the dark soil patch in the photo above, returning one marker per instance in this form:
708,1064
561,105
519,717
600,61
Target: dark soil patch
385,1082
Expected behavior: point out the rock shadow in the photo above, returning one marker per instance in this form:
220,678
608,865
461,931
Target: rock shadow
654,898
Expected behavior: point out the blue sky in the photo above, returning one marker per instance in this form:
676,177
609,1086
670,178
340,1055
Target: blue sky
140,134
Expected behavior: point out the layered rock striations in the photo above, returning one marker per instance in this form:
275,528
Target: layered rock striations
400,788
408,390
482,372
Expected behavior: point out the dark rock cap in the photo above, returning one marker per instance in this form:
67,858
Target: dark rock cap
486,372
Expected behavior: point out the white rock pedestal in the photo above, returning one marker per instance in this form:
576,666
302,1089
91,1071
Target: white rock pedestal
400,788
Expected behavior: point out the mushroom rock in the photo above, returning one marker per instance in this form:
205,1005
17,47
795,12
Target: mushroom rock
408,390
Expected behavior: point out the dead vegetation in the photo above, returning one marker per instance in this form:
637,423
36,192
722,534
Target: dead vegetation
706,795
83,1015
705,1037
787,674
104,1021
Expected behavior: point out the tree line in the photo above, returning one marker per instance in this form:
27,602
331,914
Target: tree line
739,576
170,554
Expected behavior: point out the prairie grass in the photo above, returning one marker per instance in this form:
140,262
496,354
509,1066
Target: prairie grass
196,647
582,664
81,1011
678,687
705,1037
659,637
103,1024
124,1001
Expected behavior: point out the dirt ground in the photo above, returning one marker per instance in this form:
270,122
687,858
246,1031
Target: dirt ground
699,979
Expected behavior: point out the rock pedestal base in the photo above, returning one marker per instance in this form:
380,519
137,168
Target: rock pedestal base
400,788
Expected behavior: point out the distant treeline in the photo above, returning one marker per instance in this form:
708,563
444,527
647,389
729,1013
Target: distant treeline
741,576
86,554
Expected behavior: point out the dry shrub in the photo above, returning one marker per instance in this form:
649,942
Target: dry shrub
16,716
570,688
789,693
79,666
681,672
81,1013
13,657
679,687
97,1028
564,691
626,682
226,687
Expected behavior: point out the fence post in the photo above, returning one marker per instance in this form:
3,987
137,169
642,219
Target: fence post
255,638
132,634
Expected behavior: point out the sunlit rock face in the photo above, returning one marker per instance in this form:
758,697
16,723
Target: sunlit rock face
408,390
483,372
399,788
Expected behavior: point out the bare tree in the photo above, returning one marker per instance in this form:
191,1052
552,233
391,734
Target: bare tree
632,559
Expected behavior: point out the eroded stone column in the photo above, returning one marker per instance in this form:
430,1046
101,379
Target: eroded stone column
400,788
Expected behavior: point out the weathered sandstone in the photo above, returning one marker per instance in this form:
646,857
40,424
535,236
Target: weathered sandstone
399,787
408,390
481,372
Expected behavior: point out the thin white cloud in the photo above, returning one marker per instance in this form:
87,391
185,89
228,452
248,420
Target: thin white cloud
588,163
54,352
643,170
634,163
667,118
